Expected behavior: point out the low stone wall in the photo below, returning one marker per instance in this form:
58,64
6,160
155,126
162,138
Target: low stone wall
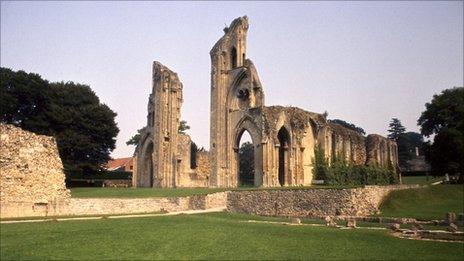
111,206
291,203
311,202
117,183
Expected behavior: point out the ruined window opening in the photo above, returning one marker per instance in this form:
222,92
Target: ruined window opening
246,160
284,140
233,57
243,57
148,166
193,155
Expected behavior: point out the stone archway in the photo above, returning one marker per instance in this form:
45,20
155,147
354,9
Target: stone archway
247,125
284,156
245,160
146,177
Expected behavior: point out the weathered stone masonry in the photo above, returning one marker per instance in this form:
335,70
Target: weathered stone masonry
30,166
284,138
163,154
311,202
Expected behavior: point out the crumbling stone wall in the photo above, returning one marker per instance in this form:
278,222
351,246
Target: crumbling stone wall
163,154
203,168
30,166
337,141
284,138
381,151
311,202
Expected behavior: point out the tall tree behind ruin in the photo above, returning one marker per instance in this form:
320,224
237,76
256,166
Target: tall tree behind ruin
396,129
444,118
84,128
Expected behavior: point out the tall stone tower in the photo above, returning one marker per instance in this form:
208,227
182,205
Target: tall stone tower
167,101
157,149
235,89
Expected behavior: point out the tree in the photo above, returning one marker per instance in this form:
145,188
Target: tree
84,128
444,118
134,140
246,164
396,129
183,127
25,98
348,125
407,144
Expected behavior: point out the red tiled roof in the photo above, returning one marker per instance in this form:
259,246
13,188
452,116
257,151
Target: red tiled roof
117,163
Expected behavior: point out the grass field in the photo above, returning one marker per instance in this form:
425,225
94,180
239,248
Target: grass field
208,236
424,203
420,179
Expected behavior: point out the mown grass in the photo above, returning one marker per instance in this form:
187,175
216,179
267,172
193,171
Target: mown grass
427,203
422,180
208,236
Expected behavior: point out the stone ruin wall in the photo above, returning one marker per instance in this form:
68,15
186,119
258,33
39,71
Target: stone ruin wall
31,173
381,151
344,142
30,166
188,176
311,202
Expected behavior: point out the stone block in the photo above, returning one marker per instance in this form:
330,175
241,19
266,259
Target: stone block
450,217
394,226
452,228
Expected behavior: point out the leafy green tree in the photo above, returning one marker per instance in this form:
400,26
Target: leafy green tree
396,129
247,165
134,140
348,125
444,118
183,127
25,99
84,128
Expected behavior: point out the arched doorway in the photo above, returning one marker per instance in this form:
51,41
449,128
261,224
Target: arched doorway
284,141
148,166
246,160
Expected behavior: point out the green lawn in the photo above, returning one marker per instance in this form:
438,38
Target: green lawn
424,203
420,179
208,236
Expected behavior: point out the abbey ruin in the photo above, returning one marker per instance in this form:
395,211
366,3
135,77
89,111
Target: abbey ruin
284,138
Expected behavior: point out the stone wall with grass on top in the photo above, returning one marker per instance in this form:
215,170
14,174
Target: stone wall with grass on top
311,202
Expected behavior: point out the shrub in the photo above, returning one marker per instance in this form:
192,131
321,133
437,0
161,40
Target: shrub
341,172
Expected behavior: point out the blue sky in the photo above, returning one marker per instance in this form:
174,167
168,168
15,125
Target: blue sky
364,62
